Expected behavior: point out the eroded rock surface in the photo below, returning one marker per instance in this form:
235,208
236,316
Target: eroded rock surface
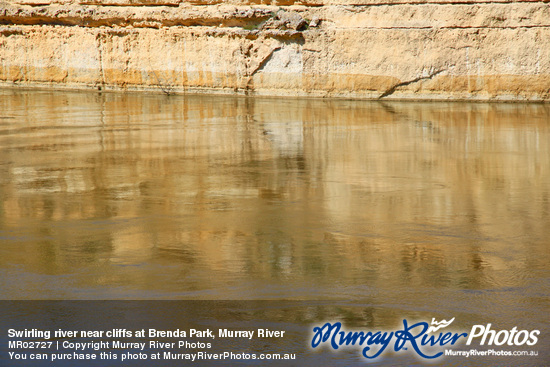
378,49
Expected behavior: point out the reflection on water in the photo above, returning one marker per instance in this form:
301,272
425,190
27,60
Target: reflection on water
135,196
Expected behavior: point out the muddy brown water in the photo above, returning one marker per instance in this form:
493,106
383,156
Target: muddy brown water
403,209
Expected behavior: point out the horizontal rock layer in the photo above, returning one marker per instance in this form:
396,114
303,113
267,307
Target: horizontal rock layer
486,50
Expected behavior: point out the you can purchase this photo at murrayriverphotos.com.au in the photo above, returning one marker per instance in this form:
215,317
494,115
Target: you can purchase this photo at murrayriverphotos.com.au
332,183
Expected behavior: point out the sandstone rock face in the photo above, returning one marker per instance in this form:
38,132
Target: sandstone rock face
376,49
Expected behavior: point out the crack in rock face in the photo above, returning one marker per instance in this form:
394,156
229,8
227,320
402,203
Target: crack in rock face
402,84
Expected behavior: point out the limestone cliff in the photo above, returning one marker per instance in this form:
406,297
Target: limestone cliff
408,49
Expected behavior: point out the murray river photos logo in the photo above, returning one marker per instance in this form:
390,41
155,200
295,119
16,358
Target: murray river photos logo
426,340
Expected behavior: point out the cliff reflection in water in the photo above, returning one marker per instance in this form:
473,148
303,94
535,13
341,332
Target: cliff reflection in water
113,195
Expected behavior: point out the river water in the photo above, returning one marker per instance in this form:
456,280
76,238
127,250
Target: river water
412,209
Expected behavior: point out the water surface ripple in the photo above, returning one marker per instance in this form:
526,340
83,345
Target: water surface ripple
399,208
